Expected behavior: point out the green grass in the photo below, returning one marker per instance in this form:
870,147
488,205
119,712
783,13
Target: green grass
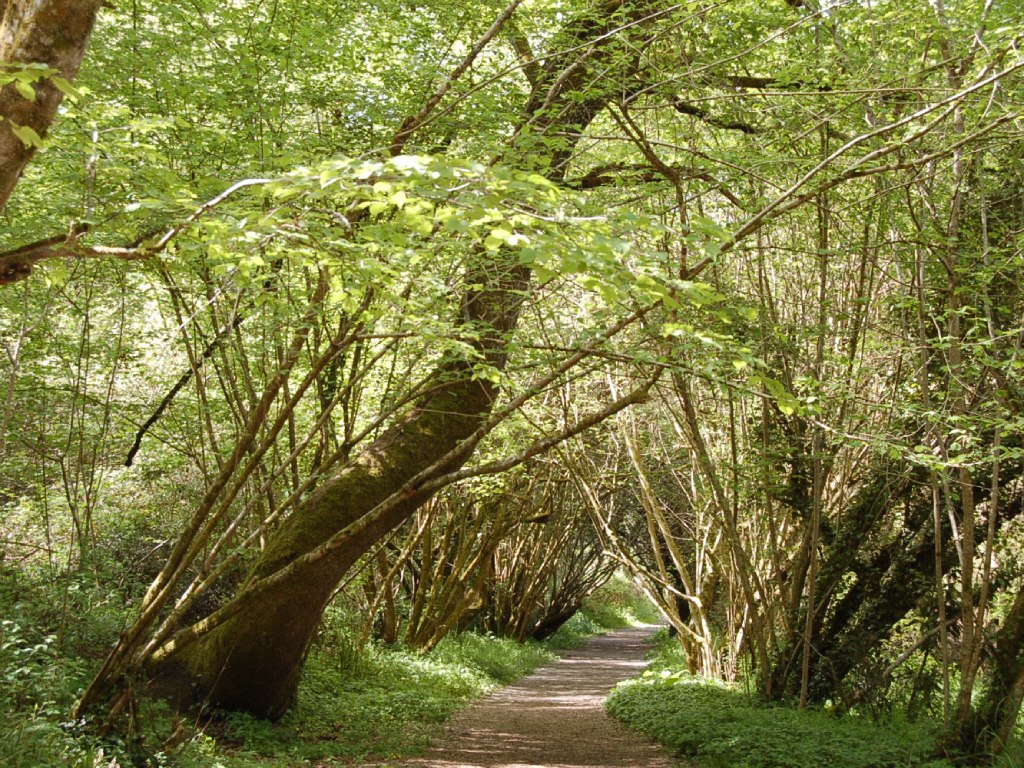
722,726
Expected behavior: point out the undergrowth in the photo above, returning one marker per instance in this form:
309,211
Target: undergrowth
617,604
45,663
355,702
575,632
614,605
721,725
387,705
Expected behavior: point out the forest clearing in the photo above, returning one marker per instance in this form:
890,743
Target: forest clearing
362,358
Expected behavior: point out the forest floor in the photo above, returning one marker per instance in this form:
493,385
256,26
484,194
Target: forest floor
554,718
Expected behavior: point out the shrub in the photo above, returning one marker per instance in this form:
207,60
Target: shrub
574,633
500,659
37,687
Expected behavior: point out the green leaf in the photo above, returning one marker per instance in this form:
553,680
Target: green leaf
398,199
66,88
27,135
26,90
328,177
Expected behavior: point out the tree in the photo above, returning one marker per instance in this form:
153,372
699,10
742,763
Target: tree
308,554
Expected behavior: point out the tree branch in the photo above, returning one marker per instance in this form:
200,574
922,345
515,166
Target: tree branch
412,123
604,175
686,108
531,67
182,381
17,265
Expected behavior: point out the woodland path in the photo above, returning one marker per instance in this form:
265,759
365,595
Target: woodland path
554,718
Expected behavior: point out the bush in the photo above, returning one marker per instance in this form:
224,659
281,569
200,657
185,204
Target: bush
37,687
574,633
500,659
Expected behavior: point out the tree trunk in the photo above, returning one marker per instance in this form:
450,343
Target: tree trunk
50,32
252,661
984,735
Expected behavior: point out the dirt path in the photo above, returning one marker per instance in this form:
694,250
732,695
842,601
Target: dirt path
555,717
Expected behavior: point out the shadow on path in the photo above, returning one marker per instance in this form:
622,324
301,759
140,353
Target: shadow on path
555,717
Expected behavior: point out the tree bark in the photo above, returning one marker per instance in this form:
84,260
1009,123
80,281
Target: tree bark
50,32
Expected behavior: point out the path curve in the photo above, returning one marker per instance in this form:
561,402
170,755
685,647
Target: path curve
555,717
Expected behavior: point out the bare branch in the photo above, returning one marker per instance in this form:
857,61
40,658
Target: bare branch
686,108
17,265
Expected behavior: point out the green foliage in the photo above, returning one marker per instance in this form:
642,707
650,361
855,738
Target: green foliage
500,659
574,633
54,628
1013,757
618,603
354,701
37,686
615,604
721,725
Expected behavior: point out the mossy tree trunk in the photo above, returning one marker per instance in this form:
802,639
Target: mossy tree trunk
888,580
252,661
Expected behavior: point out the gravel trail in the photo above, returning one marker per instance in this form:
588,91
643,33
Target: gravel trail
555,717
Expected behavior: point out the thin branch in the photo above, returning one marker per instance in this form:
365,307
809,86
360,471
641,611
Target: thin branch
412,123
17,265
182,381
686,108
